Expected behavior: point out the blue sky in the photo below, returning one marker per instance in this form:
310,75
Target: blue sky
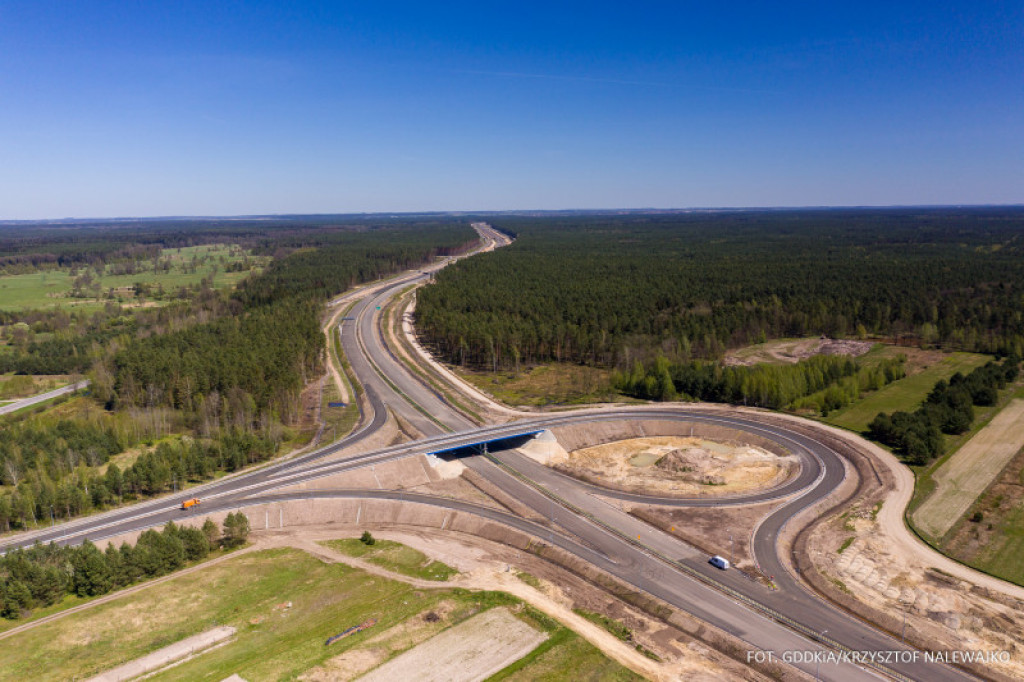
224,108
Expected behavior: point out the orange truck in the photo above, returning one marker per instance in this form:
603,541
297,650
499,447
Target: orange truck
188,504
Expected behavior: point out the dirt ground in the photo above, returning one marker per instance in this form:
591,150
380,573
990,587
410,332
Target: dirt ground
470,651
792,351
855,553
965,475
720,530
410,633
681,465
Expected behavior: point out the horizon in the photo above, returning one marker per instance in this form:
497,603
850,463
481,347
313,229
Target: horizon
210,109
485,212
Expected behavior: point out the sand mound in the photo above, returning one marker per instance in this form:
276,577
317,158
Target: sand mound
680,465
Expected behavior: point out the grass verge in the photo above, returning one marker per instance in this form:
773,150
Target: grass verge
395,557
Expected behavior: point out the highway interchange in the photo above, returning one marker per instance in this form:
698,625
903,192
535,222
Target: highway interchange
788,618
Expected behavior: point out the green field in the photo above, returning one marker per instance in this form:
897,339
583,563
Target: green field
1004,557
565,656
284,604
395,557
905,394
186,267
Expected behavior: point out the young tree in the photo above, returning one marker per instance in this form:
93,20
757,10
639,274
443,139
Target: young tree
91,571
195,543
236,529
211,532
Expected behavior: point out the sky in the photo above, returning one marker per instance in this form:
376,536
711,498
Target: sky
141,108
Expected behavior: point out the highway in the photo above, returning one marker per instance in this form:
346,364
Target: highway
786,619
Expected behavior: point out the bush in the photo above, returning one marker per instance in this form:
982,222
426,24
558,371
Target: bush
367,539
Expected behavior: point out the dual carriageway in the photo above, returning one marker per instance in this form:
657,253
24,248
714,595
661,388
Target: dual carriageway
787,618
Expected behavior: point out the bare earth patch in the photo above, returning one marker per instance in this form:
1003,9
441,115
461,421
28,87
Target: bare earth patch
856,554
681,465
354,662
472,650
716,530
793,351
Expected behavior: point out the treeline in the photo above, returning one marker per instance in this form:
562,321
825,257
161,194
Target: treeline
917,436
43,245
345,260
850,389
70,351
771,386
54,449
44,574
55,474
268,353
608,290
251,366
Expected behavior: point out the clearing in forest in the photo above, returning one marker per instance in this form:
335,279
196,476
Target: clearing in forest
907,393
965,475
791,351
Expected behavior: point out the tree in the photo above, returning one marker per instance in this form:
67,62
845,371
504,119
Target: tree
211,532
195,543
91,571
17,599
236,529
367,539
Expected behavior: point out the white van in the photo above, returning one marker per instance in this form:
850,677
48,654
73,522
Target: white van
719,562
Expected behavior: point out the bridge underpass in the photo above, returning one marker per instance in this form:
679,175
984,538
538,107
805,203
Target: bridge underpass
482,447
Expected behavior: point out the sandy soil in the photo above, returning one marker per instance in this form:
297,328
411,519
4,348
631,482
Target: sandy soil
965,475
681,465
794,351
468,652
940,610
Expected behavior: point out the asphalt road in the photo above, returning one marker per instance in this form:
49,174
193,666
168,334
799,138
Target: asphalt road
787,619
32,400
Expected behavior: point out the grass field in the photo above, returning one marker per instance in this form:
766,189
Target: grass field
969,471
14,387
395,557
565,656
1005,556
905,394
284,604
52,288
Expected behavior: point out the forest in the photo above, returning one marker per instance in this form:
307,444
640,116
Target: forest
43,575
211,380
838,379
610,290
